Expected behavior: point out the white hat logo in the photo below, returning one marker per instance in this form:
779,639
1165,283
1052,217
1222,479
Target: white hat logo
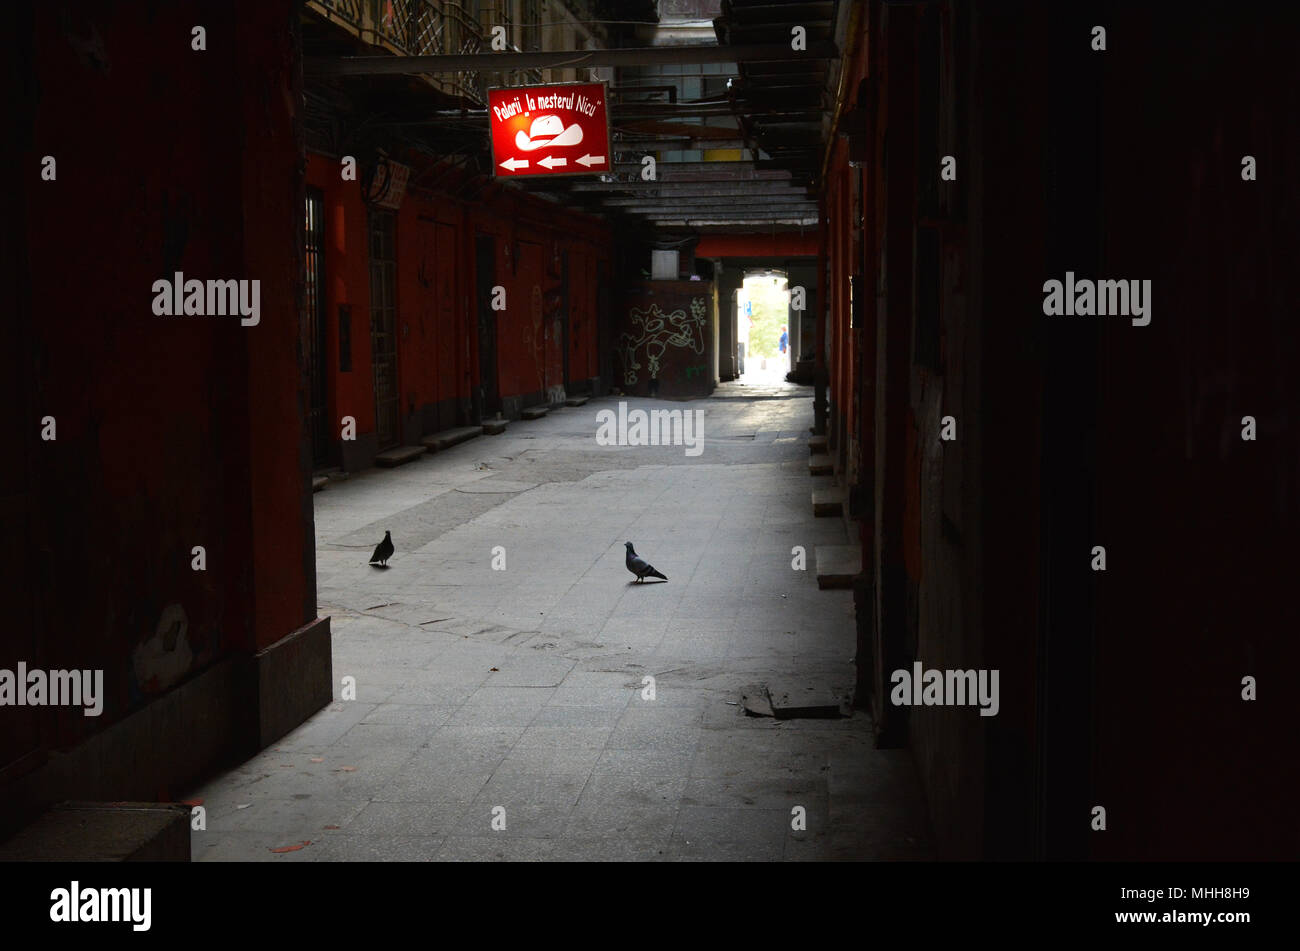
548,131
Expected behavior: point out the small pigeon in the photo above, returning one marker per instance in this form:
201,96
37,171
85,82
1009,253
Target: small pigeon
383,551
640,567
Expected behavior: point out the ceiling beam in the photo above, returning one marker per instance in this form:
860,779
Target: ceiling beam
765,177
687,168
774,227
571,59
690,192
671,201
728,213
640,196
653,110
721,214
704,178
674,143
748,224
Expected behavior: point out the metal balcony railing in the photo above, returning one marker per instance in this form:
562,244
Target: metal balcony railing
434,27
431,28
346,11
417,28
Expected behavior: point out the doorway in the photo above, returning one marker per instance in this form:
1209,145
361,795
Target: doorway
485,270
762,331
383,321
565,302
314,316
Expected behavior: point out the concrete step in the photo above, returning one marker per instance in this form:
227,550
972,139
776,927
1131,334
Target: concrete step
533,412
495,427
104,832
577,401
318,483
817,444
398,455
827,502
450,437
821,465
837,565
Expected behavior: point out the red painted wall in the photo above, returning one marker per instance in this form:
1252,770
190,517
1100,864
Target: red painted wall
791,245
532,237
172,432
437,306
347,283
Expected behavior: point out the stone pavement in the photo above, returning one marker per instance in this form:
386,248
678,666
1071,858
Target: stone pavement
523,688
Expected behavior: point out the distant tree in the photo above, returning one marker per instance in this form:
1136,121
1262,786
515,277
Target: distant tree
771,306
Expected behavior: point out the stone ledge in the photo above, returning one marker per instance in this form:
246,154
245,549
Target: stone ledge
294,679
533,412
104,832
399,455
838,565
821,464
450,437
826,502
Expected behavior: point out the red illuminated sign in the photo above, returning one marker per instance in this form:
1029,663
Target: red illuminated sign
550,130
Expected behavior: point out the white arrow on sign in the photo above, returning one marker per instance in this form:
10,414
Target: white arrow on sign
590,160
552,161
514,163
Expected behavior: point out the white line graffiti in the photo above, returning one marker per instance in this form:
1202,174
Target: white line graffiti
659,331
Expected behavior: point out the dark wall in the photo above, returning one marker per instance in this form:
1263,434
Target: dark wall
1119,688
1201,525
172,432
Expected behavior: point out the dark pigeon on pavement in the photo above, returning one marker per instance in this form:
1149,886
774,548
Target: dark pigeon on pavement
383,551
640,567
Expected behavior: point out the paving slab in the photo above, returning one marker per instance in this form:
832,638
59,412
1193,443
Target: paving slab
505,659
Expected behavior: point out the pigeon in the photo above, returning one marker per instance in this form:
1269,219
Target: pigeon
383,551
640,567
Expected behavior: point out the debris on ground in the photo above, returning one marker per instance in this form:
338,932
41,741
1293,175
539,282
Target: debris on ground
756,701
790,703
809,703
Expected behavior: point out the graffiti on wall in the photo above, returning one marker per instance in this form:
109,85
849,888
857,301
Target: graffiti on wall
654,332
